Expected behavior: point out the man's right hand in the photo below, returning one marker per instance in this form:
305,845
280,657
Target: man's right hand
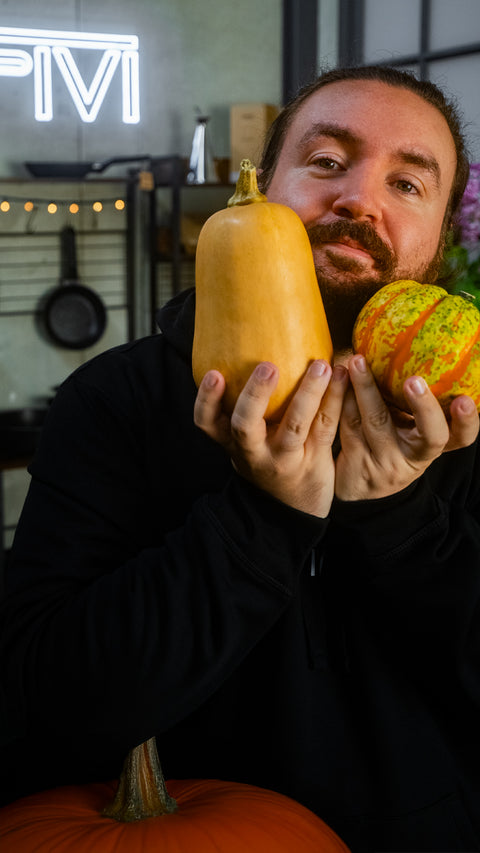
292,460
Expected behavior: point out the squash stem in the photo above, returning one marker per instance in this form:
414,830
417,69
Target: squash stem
246,191
469,297
141,790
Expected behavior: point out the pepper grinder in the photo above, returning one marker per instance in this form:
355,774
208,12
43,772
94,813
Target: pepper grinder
201,166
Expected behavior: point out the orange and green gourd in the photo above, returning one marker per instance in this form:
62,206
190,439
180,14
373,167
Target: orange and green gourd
409,329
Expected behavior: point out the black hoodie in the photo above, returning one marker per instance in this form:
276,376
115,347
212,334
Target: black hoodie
153,591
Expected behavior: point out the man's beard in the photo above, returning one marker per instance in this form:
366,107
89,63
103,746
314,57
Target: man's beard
344,294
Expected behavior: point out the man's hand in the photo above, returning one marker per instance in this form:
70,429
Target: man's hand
379,457
292,460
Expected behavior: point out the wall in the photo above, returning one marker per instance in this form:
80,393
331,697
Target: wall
208,54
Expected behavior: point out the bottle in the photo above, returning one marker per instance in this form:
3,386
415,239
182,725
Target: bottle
201,166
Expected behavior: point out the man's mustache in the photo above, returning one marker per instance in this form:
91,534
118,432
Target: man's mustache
361,232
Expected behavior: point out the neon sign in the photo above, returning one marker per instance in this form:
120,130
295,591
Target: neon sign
54,46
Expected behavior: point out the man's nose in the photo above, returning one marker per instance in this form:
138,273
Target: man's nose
359,197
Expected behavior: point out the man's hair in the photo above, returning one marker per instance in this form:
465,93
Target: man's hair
392,77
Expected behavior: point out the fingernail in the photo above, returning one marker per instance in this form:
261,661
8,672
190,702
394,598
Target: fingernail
418,385
339,372
466,405
360,363
264,371
317,368
210,380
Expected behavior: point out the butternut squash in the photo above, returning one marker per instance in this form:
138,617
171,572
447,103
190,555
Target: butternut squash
257,296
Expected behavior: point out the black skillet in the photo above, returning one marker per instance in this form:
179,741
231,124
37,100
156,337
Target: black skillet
74,169
72,315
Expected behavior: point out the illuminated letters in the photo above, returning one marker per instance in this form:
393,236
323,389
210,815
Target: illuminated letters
47,45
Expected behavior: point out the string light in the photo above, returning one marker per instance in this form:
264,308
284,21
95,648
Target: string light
53,207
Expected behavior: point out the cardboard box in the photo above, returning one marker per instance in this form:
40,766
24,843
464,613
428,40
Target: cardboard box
248,126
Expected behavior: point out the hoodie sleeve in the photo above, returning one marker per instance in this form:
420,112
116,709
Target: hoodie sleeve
111,613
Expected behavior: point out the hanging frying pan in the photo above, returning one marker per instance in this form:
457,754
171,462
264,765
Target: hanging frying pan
72,169
72,315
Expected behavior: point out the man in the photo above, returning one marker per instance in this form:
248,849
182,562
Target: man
304,619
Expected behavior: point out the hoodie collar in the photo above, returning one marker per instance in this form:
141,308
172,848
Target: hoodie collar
176,320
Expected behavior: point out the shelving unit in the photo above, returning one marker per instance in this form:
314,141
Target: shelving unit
121,258
32,366
181,198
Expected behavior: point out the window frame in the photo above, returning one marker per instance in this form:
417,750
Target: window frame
350,47
300,42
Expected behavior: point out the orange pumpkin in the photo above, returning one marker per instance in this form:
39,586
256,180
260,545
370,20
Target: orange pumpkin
209,816
408,329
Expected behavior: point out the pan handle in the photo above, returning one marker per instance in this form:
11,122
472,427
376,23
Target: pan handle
68,254
101,166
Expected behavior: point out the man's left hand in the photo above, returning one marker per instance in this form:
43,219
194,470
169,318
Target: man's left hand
380,457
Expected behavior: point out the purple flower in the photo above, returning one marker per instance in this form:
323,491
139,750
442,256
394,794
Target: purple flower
469,213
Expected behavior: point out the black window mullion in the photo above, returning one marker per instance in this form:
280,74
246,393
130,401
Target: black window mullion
432,55
299,44
351,23
424,38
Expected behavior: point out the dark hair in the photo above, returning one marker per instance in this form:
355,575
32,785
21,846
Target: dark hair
384,74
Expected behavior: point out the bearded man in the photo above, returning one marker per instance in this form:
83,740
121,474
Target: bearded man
307,618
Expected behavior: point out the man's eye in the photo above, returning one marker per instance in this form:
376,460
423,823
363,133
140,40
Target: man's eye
326,163
407,187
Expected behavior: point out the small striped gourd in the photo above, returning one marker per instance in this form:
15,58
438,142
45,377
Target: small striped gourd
408,329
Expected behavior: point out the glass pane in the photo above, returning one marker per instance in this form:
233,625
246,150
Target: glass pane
392,29
454,23
459,79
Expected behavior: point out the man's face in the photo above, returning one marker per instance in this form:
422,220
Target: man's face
369,168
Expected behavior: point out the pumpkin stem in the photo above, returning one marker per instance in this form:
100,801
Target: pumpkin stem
246,191
469,297
141,790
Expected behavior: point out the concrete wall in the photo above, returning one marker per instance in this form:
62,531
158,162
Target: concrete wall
206,53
